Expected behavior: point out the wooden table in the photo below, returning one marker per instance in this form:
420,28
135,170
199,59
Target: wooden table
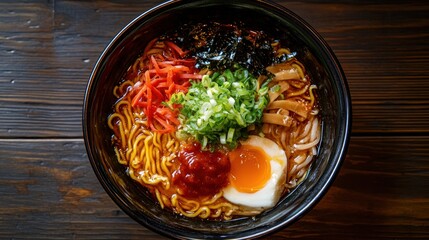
48,188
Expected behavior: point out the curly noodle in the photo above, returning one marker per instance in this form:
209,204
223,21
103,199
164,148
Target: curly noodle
291,120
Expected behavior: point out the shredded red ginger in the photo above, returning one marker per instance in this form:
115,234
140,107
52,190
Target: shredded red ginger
167,72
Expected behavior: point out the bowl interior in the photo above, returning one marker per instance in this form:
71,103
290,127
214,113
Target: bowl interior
129,43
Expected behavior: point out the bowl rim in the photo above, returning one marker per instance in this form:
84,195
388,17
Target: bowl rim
329,176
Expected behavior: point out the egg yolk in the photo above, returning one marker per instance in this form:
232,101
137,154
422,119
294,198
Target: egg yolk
250,168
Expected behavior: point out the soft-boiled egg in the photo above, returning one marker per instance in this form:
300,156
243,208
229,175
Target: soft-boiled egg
257,175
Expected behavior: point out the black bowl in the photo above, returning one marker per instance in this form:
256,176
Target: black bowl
312,50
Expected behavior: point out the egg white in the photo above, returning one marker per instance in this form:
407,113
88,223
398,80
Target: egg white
270,194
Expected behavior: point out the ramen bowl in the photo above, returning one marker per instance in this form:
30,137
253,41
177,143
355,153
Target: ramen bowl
134,199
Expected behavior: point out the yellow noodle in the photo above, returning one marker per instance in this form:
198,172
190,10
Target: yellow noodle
115,116
115,92
122,134
125,117
297,93
202,212
158,163
150,157
165,200
213,199
120,157
312,99
132,136
216,213
159,197
136,146
157,140
164,166
184,203
300,69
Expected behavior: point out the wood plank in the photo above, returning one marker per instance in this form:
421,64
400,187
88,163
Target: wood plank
48,189
47,54
48,49
384,53
381,192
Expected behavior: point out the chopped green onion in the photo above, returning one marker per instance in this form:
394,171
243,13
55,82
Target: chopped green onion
218,109
230,135
275,88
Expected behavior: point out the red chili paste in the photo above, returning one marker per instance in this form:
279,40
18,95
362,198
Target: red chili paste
201,173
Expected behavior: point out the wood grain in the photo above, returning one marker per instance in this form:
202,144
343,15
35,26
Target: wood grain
47,186
49,49
50,191
384,51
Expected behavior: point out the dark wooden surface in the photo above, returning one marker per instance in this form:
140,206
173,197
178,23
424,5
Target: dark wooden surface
48,188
